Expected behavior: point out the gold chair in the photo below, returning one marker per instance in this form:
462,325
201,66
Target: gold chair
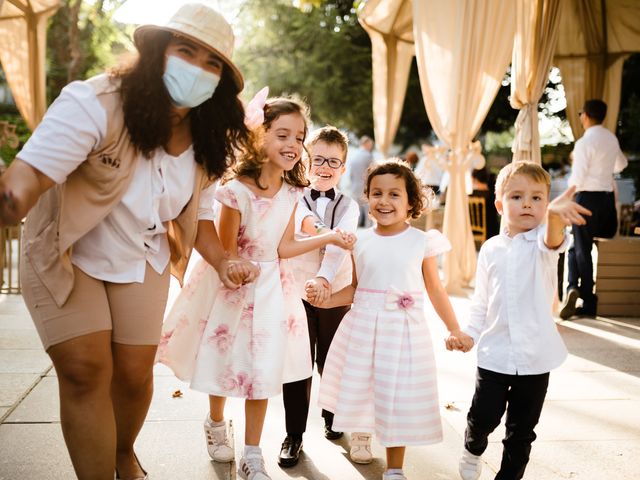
478,216
626,225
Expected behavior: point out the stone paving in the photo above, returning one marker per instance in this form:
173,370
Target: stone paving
589,430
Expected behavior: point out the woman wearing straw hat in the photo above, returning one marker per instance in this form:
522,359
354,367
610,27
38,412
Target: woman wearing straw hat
117,182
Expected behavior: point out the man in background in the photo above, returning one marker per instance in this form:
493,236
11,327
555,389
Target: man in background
596,157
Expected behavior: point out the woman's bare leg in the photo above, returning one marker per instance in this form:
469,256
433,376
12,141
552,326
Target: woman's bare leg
84,368
131,390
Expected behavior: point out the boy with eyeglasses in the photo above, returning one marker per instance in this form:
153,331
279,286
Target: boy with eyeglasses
329,269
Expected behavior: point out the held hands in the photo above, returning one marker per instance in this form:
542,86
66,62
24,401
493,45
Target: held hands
318,291
237,272
568,211
458,340
343,239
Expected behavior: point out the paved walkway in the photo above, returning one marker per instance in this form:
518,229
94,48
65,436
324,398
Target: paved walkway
589,429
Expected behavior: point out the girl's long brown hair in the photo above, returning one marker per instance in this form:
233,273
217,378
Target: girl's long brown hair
217,125
251,161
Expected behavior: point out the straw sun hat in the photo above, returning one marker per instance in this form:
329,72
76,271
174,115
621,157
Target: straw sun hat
201,24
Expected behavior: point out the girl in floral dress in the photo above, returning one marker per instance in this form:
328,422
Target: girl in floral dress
380,373
247,342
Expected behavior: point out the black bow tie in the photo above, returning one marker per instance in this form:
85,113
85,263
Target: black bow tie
330,194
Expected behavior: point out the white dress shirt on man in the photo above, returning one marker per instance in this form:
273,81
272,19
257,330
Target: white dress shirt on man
596,157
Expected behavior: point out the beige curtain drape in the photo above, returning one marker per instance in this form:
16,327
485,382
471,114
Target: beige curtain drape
583,79
536,35
389,25
594,40
463,48
23,25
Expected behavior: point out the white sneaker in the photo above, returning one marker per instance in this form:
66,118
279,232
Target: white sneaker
393,476
470,466
360,451
218,444
251,467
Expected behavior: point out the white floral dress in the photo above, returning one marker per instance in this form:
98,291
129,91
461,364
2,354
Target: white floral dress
380,372
245,342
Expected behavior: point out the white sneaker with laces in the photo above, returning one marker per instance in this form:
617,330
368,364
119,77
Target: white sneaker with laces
218,445
251,467
470,466
360,451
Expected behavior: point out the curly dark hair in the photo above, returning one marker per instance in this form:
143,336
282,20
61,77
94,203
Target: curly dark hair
420,197
251,161
217,125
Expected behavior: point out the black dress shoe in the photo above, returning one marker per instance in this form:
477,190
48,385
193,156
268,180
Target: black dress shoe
290,451
331,434
586,312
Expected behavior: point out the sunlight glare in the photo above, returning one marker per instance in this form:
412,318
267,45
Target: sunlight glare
139,12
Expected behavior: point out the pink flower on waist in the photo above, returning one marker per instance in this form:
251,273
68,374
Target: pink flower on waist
405,301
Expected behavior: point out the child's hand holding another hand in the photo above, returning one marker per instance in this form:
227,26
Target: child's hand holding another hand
240,272
458,340
320,288
343,239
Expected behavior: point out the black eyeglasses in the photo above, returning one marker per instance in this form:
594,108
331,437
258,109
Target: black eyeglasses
319,160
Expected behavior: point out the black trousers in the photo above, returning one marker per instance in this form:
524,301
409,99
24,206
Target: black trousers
522,396
323,323
602,223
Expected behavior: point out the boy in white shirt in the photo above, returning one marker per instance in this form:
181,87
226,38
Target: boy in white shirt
322,207
511,317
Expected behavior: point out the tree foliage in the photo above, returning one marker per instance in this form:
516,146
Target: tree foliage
318,51
82,40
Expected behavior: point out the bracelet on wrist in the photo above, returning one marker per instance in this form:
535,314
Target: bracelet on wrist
319,226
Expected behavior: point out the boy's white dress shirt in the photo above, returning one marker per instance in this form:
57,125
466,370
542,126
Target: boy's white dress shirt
596,157
511,318
134,233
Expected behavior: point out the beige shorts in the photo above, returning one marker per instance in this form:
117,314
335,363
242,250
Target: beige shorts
132,311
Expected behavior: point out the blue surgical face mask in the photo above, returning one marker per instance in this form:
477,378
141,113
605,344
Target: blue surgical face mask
188,85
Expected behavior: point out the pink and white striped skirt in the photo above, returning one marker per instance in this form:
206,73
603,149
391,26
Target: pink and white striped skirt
380,373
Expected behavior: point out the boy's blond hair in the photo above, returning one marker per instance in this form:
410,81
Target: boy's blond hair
530,169
331,136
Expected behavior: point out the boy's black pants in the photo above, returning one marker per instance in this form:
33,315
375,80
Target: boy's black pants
323,323
522,396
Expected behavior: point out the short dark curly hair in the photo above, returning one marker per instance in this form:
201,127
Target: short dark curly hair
420,197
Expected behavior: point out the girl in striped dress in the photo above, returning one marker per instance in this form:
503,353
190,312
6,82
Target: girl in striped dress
380,373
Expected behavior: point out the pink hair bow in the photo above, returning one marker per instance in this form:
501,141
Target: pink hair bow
254,111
